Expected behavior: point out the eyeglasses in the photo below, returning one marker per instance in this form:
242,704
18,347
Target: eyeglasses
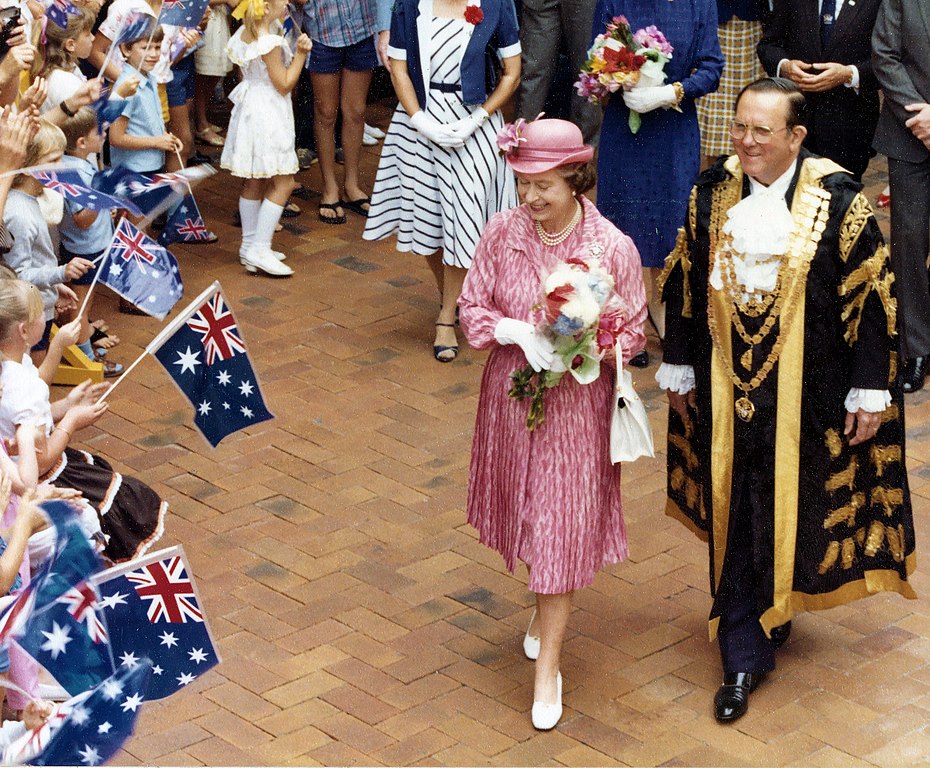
761,134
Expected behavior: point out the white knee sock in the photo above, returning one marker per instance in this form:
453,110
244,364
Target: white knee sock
248,212
268,217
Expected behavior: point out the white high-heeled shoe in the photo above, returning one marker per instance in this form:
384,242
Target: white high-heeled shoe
547,716
531,644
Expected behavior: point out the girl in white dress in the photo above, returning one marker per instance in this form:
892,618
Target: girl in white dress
260,142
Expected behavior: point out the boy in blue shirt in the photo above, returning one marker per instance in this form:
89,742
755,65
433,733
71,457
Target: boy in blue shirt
138,139
84,233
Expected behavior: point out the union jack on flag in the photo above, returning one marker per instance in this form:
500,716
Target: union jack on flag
204,353
67,182
185,224
152,610
82,603
165,586
141,271
218,331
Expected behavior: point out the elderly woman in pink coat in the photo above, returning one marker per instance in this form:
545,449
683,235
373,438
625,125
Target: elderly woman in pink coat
549,496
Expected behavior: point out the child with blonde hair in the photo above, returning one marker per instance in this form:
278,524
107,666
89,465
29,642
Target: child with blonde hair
31,255
131,515
260,141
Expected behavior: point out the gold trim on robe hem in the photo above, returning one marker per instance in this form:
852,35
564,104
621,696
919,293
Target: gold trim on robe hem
673,511
872,583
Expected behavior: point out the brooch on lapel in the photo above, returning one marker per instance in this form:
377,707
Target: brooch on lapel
473,14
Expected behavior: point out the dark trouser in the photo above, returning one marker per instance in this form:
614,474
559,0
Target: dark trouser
303,112
743,644
910,243
543,24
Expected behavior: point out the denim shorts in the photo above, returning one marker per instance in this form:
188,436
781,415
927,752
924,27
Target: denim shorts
360,57
181,88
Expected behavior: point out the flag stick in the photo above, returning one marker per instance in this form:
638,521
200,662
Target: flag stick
155,344
103,260
123,376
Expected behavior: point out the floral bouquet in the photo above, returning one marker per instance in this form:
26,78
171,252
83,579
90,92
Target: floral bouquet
582,315
620,59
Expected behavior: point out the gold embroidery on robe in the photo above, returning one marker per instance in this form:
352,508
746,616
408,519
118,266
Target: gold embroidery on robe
853,224
848,553
677,478
829,558
875,538
891,412
889,498
845,513
895,538
882,455
832,441
685,447
871,275
843,478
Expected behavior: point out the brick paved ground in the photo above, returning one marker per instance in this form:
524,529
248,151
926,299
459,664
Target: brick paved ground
361,622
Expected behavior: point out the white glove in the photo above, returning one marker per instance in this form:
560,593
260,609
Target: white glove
431,129
537,348
644,100
465,127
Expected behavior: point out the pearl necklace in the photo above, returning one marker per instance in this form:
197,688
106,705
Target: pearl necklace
554,238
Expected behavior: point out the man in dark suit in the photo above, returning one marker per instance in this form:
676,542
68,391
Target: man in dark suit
825,47
901,61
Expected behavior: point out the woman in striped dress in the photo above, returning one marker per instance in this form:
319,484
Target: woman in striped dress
440,177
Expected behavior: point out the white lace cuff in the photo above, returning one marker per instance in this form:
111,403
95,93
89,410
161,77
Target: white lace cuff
869,400
676,378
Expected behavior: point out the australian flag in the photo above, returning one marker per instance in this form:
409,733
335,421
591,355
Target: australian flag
90,728
203,351
59,10
152,610
69,185
141,271
185,224
63,627
182,13
107,109
148,195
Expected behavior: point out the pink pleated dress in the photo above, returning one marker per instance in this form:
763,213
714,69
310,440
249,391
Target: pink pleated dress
550,497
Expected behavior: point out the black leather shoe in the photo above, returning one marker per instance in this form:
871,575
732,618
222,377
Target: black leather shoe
913,373
732,699
640,361
779,635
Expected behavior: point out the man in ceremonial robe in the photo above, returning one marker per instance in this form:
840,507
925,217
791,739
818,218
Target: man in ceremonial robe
786,431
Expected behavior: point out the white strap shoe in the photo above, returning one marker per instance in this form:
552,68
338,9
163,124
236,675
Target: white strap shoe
547,716
531,644
265,261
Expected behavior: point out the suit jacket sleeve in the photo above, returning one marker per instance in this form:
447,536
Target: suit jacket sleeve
771,48
887,60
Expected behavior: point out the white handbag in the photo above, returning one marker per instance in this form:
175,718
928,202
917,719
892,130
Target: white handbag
630,433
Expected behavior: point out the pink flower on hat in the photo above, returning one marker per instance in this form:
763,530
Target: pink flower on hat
509,138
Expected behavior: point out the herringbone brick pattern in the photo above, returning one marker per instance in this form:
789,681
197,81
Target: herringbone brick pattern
362,623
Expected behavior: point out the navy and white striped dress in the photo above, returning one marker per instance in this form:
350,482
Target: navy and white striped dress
431,197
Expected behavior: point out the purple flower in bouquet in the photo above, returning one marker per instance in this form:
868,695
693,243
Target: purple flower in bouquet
652,39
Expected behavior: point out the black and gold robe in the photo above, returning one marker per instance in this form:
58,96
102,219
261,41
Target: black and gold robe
830,523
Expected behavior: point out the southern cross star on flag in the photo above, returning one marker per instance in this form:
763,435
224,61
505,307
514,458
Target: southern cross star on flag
204,353
152,610
87,729
182,13
141,271
59,11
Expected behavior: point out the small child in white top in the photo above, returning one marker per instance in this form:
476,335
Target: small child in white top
260,142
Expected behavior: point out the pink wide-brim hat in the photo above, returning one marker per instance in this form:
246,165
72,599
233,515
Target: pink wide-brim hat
549,144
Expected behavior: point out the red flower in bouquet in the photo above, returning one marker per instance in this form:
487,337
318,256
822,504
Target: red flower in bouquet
555,299
473,14
622,60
